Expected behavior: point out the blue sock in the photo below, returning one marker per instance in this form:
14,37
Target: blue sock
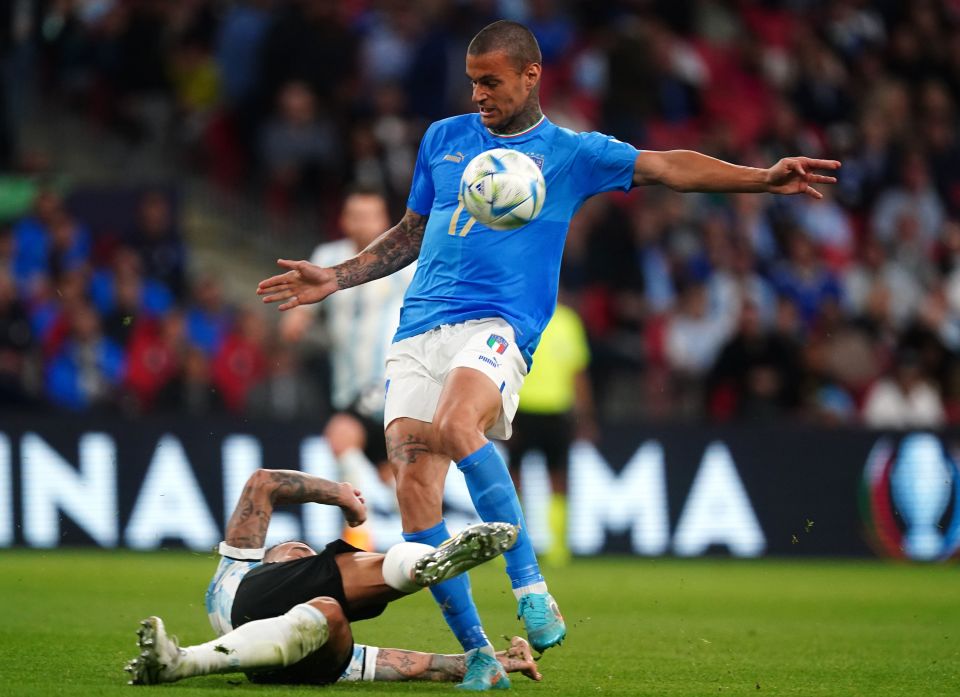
453,596
495,499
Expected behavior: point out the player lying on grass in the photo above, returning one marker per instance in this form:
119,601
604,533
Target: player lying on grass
283,614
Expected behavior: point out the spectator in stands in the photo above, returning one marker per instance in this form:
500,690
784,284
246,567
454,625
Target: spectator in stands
830,229
907,399
241,361
694,338
16,340
209,317
804,279
122,295
299,147
157,239
232,132
757,374
751,286
302,43
912,210
155,357
52,305
87,371
191,391
751,225
878,288
47,243
238,41
283,393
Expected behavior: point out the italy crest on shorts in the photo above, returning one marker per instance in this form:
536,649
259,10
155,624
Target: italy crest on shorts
497,343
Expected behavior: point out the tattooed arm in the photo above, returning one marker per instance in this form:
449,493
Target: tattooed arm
247,527
307,283
397,664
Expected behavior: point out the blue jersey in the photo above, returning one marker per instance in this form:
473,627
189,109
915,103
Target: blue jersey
468,271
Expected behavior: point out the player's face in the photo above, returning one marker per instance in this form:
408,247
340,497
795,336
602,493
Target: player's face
364,218
499,90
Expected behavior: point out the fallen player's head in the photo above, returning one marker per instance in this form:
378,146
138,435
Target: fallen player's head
288,551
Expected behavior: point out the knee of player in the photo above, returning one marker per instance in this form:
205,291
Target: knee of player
457,433
330,608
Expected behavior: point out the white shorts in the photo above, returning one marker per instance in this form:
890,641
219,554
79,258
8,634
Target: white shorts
417,367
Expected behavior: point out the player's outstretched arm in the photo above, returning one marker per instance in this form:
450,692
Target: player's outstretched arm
398,664
686,170
305,283
265,489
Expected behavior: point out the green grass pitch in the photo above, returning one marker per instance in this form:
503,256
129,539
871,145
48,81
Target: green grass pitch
636,626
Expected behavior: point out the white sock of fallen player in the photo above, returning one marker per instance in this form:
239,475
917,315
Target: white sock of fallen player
398,565
272,643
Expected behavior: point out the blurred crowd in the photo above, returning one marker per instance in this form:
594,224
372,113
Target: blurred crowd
108,321
841,311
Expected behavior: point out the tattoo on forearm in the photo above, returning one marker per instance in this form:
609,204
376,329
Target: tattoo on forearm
290,486
405,451
390,252
247,527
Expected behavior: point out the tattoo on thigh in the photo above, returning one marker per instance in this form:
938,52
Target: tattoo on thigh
406,450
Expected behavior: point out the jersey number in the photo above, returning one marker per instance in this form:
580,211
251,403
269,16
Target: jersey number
455,218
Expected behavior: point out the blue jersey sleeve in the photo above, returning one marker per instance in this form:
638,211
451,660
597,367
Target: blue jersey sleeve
421,190
610,163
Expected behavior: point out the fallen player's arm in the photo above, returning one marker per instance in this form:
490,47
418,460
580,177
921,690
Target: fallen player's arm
307,283
686,170
397,664
265,489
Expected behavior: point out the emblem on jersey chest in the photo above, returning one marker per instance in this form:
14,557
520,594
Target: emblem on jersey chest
458,158
537,158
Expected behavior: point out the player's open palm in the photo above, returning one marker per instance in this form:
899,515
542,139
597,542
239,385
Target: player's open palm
303,284
794,175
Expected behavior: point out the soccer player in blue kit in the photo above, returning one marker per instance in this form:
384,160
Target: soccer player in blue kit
480,299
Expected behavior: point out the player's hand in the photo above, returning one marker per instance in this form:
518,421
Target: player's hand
352,504
303,284
519,659
794,175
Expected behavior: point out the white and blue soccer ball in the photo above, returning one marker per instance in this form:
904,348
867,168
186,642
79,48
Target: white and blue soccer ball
503,189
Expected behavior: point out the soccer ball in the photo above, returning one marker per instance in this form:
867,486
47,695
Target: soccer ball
503,189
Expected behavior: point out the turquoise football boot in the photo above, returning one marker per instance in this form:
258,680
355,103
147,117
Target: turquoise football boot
484,672
542,619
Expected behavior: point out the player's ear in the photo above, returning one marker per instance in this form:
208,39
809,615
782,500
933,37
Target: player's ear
531,75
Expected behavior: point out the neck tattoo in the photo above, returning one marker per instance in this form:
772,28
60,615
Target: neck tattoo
523,120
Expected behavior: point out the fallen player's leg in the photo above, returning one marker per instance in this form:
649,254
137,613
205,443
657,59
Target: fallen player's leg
267,644
261,647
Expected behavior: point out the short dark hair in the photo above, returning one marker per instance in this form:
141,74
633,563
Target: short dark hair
268,550
512,38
